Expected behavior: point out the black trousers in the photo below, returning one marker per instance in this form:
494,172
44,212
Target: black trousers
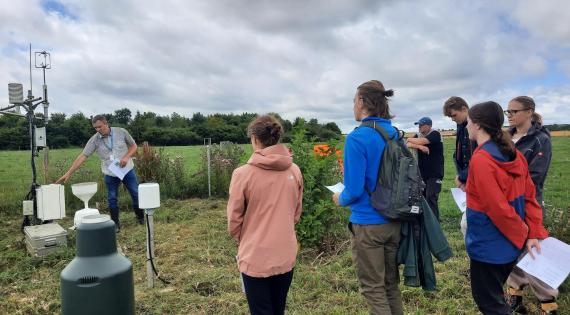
431,193
487,281
267,296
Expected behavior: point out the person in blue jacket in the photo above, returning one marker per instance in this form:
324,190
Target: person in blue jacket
375,240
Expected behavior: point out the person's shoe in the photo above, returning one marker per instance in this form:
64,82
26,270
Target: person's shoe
140,220
548,308
515,301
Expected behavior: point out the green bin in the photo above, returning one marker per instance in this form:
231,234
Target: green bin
98,280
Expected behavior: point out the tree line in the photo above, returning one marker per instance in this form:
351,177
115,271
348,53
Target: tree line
75,130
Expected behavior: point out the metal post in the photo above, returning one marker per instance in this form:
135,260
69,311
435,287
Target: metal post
46,166
209,143
209,174
150,247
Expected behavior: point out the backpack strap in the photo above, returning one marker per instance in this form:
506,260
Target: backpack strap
383,134
381,131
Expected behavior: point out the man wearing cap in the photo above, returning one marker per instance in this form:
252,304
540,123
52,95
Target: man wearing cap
430,160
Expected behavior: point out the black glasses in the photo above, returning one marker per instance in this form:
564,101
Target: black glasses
510,112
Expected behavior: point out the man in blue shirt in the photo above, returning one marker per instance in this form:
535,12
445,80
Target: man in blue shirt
375,240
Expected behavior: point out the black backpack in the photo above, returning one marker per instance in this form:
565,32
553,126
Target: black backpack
399,187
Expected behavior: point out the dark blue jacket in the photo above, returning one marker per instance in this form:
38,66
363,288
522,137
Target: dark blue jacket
537,150
463,151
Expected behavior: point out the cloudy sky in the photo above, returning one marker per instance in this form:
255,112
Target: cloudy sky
296,57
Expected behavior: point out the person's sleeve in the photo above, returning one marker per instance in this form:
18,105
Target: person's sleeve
354,171
91,146
128,138
236,205
463,175
501,213
434,137
299,208
533,212
540,161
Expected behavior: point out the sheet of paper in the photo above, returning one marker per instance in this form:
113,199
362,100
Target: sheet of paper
551,265
337,188
460,198
119,171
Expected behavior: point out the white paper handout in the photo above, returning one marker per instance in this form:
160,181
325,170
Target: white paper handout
460,198
337,188
551,265
117,170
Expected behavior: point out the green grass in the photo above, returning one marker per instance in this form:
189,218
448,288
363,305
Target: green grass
195,252
16,174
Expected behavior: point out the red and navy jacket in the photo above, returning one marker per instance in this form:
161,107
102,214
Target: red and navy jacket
502,211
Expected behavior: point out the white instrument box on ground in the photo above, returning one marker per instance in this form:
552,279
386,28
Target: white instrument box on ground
51,202
45,239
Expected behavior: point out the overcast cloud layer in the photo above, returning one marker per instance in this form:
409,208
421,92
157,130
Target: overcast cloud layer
297,58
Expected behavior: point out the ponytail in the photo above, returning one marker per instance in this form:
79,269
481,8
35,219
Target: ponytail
503,140
536,118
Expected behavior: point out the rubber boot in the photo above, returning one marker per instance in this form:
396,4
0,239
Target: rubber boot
115,218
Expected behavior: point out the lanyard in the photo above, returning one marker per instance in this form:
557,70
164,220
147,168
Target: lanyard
111,140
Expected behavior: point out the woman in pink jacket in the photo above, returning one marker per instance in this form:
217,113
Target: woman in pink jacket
264,205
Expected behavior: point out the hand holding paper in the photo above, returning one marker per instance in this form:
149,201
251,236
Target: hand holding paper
551,265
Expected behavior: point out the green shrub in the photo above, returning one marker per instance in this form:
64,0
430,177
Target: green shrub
321,220
159,167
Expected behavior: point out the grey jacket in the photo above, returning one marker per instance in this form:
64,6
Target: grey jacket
537,149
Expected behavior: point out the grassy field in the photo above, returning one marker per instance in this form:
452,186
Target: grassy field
16,174
195,252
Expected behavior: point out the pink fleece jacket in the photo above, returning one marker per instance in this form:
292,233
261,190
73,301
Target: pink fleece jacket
264,205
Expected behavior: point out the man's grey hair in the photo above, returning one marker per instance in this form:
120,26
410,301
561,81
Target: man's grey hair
97,118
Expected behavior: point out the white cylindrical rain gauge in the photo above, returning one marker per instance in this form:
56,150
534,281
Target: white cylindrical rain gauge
149,196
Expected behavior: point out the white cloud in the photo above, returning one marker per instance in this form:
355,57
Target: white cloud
298,58
545,19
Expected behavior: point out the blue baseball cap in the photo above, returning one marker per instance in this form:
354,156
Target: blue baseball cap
423,121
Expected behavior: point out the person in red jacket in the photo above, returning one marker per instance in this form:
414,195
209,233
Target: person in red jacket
503,216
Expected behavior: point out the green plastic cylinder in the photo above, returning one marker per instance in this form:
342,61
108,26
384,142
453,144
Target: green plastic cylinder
98,280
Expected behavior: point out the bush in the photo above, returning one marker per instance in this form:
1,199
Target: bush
224,159
159,167
321,220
